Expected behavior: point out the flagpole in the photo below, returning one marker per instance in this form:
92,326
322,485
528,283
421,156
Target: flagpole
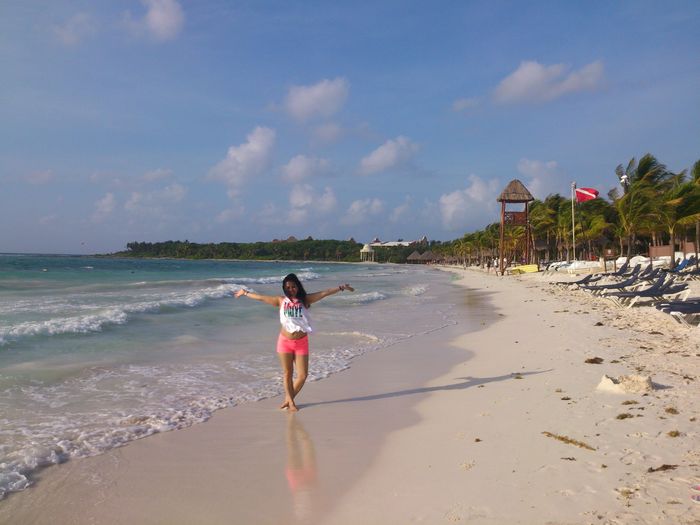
573,220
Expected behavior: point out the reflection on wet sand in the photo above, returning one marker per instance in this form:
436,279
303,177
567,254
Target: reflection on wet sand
301,468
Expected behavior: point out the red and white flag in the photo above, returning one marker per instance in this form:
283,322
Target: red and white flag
586,194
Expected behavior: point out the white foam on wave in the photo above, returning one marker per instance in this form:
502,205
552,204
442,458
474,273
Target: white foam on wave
415,290
273,279
162,398
117,314
362,298
392,273
178,397
355,333
129,402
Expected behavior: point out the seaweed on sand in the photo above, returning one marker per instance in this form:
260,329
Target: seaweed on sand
569,441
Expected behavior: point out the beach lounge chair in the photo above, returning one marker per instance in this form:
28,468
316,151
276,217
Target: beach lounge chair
685,312
652,275
681,266
656,292
690,273
633,271
621,270
590,278
604,288
646,271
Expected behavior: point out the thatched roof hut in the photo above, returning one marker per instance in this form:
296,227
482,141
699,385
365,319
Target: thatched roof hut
414,257
429,257
515,192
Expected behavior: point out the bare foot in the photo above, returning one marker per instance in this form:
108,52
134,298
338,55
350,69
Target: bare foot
284,405
293,408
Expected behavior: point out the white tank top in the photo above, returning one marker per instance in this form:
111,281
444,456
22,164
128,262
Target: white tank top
294,316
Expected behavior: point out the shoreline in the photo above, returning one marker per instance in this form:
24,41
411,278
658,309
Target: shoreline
471,437
372,378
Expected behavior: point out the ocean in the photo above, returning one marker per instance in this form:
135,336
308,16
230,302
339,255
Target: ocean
96,352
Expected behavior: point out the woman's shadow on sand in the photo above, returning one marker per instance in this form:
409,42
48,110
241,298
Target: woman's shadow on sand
466,382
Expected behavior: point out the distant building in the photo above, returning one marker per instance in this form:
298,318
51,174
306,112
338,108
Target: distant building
367,253
376,243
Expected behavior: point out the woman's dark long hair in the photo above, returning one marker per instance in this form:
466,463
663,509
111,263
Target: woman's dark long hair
301,293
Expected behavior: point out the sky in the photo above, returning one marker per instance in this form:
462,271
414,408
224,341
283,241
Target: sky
241,121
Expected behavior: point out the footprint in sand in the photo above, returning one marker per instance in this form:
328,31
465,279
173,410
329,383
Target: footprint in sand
468,465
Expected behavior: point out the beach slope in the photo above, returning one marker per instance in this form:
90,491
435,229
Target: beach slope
494,420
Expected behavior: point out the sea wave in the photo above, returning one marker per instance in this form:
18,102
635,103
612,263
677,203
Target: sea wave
189,395
116,314
389,273
362,298
303,276
415,290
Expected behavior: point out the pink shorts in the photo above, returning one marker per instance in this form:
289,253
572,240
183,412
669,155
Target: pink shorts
293,346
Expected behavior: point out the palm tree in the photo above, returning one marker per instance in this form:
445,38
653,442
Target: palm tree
638,206
594,221
542,218
695,175
563,229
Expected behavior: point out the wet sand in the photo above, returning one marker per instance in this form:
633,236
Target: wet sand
495,420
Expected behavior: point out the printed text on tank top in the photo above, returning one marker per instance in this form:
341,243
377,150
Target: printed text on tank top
294,317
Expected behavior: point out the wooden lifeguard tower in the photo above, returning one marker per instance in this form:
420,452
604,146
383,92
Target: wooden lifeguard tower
514,193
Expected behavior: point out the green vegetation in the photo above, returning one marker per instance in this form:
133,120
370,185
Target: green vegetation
655,207
287,250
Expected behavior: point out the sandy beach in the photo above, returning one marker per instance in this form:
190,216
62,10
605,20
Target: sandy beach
495,420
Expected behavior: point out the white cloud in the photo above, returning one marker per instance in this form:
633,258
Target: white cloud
327,133
476,200
389,155
269,215
462,104
302,167
155,203
300,196
104,207
245,161
362,210
402,211
48,220
76,28
229,215
305,203
319,100
40,177
327,201
163,20
534,82
545,177
157,174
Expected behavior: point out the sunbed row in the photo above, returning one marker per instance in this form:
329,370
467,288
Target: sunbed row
685,312
627,288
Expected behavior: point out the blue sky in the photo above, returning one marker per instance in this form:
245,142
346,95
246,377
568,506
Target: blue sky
213,121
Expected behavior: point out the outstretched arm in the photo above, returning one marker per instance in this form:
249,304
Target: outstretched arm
272,300
317,296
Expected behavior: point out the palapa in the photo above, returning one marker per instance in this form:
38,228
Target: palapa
515,192
415,256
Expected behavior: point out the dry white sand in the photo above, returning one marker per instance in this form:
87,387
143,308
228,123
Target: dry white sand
492,454
503,425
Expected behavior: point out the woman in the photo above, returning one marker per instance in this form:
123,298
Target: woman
293,341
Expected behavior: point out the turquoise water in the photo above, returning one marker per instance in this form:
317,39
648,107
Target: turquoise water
97,352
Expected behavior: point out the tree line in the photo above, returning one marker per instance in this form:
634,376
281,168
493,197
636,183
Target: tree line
288,250
653,206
